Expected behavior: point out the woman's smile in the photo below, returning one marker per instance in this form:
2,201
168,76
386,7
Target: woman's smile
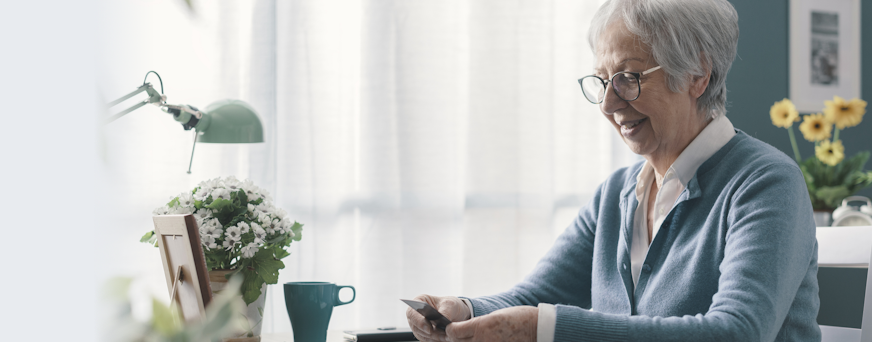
630,128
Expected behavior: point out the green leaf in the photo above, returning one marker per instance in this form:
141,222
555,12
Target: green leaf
809,179
163,320
251,284
280,253
276,239
866,180
220,205
267,266
832,196
828,185
147,236
297,228
174,202
258,201
223,210
236,219
843,171
239,198
222,314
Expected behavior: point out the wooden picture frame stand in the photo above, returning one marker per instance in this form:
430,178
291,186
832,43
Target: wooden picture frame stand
184,264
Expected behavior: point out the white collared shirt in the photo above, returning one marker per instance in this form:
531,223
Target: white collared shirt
712,138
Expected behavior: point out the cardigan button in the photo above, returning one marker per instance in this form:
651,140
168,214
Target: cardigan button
625,266
646,268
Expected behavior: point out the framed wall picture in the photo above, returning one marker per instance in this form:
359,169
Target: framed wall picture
824,52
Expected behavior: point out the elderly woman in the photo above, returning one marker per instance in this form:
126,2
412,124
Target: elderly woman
710,238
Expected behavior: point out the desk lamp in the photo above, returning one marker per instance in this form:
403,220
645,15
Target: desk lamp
222,122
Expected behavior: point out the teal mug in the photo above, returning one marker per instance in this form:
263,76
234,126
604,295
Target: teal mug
310,305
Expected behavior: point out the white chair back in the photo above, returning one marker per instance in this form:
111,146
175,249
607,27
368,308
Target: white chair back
845,253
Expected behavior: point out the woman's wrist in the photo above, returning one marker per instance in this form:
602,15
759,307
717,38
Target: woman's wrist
470,310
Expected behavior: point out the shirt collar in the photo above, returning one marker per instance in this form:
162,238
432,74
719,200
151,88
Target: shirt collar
714,136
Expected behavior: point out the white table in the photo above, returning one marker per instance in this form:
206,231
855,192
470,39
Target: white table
332,336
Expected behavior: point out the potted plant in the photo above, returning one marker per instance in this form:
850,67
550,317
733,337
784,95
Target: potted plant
829,176
241,233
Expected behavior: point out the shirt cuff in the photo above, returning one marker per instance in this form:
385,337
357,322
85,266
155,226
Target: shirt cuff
546,323
468,306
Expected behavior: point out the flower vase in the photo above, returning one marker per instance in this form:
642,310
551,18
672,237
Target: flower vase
823,218
253,312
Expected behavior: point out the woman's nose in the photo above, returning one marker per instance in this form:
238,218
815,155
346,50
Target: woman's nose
611,101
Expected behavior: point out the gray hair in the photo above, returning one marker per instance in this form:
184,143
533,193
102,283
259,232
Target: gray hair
686,37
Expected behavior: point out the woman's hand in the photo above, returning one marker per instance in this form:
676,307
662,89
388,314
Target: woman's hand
518,323
452,308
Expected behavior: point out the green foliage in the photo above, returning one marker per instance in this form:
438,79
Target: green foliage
149,238
297,228
222,318
267,266
222,209
165,319
251,285
174,202
829,185
280,253
258,265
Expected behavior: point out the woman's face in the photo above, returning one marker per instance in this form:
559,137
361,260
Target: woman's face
660,123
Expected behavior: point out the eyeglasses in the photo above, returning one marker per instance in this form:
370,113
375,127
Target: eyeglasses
625,84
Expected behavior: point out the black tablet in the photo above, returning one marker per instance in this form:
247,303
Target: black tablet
380,335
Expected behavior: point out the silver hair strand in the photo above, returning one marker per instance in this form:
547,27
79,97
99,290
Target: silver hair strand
685,36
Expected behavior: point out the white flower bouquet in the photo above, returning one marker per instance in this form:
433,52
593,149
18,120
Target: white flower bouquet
240,230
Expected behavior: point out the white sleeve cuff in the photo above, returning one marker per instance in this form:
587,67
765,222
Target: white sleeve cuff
468,306
546,323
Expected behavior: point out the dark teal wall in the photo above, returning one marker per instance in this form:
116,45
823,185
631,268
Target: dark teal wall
759,77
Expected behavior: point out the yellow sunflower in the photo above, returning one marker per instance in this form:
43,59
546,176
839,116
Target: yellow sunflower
830,153
845,113
815,127
783,113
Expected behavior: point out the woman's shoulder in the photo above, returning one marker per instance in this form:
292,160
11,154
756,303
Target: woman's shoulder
744,152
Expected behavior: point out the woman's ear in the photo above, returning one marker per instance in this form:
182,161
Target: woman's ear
700,83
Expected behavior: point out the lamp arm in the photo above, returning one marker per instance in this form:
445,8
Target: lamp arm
153,97
126,111
141,88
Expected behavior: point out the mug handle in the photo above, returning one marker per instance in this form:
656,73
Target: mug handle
339,302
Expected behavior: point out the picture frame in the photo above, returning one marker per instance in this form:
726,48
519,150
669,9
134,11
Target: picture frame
184,264
824,52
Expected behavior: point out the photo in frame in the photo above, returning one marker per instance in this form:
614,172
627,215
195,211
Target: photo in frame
824,52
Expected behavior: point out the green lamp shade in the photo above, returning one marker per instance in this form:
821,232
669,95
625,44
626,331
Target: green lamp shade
229,122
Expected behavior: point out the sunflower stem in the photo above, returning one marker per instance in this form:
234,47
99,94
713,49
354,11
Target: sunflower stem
836,134
793,142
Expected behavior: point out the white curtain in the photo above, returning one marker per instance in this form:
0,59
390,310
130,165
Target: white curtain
428,146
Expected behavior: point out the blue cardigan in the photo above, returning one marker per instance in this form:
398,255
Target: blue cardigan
735,259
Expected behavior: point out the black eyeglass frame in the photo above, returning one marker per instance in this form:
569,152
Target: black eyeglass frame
637,75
